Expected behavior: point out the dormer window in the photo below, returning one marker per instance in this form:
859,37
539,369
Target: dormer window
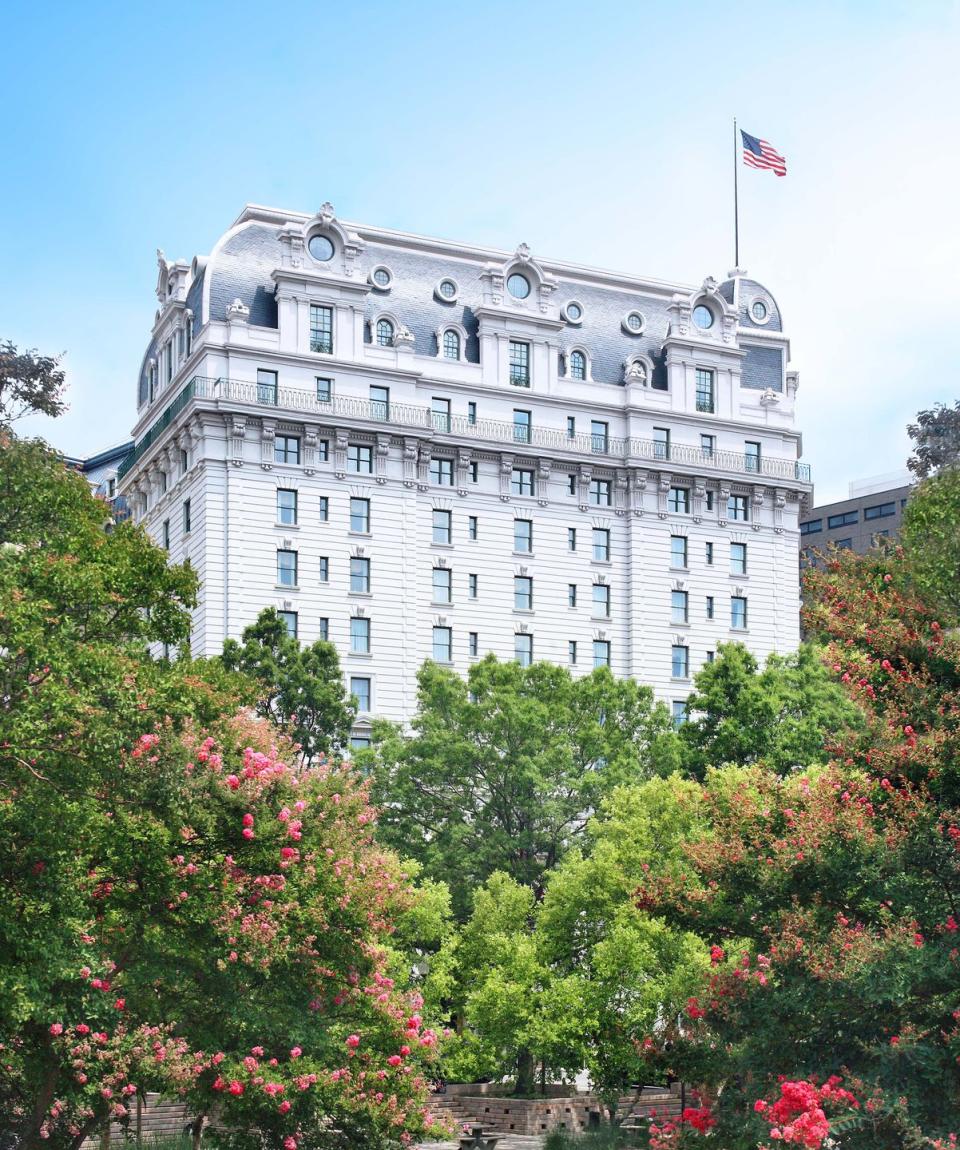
633,323
451,344
703,317
518,286
578,365
381,277
384,333
321,248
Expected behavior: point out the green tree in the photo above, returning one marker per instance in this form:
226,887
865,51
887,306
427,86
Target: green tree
29,384
301,688
936,438
506,766
789,713
931,540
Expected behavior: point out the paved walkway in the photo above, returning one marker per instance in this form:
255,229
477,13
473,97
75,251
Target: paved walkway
506,1142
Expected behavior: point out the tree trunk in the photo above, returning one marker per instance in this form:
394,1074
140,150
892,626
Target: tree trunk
525,1072
196,1130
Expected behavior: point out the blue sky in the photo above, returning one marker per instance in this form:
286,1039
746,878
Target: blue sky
596,132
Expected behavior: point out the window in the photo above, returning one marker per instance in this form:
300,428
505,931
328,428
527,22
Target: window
845,520
705,390
286,507
290,621
384,332
321,329
518,286
738,508
601,544
843,544
519,363
266,386
380,403
523,649
679,607
738,558
324,629
661,443
441,472
758,309
680,661
678,500
471,586
163,482
323,450
523,535
571,538
472,527
360,689
708,446
522,481
359,636
601,601
165,535
751,456
359,459
601,653
286,449
678,551
359,742
321,248
599,437
184,465
324,569
678,712
711,655
571,427
448,289
324,389
578,365
442,526
442,645
811,527
571,594
703,317
710,500
708,549
472,413
474,472
186,516
521,426
473,643
738,613
451,344
287,568
572,651
360,515
324,508
600,492
359,575
440,413
442,585
522,593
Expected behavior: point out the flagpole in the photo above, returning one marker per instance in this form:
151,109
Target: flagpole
736,201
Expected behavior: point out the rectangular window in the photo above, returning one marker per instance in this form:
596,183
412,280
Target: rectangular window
847,519
571,427
324,629
738,508
472,584
678,551
710,500
380,403
738,613
165,535
679,607
168,359
472,527
324,509
843,544
287,568
324,389
359,742
523,649
523,535
678,712
440,413
522,593
711,655
184,465
571,538
443,645
441,472
601,653
571,594
708,446
359,636
474,472
324,569
601,601
286,507
709,606
163,482
442,585
811,527
359,459
708,554
738,558
678,501
186,517
601,544
519,363
522,481
360,515
751,456
571,484
321,328
680,662
600,492
286,449
359,575
290,621
661,443
599,437
521,426
471,413
473,643
442,526
360,689
266,387
572,651
705,390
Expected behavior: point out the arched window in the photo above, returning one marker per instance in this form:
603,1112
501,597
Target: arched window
451,344
578,365
384,333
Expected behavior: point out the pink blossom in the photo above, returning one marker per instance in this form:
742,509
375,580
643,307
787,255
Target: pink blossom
353,1041
56,1028
295,1052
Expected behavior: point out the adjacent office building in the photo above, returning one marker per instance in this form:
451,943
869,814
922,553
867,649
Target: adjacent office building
873,512
424,449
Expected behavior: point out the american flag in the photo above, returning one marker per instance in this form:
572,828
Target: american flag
760,154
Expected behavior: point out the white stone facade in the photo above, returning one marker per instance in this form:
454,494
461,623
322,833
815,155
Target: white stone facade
463,432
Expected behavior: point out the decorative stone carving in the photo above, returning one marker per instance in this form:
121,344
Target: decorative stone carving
423,468
769,398
409,462
506,474
779,503
584,475
664,481
638,485
756,500
382,454
340,455
403,338
463,467
724,504
699,496
620,491
268,435
238,312
635,371
310,437
544,467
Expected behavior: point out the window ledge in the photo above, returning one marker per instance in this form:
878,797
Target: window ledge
524,611
602,562
287,526
444,545
360,654
359,534
287,586
525,554
442,603
677,623
360,594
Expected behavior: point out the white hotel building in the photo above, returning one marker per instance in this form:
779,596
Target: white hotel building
422,449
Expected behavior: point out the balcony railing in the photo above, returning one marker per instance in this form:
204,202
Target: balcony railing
404,416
